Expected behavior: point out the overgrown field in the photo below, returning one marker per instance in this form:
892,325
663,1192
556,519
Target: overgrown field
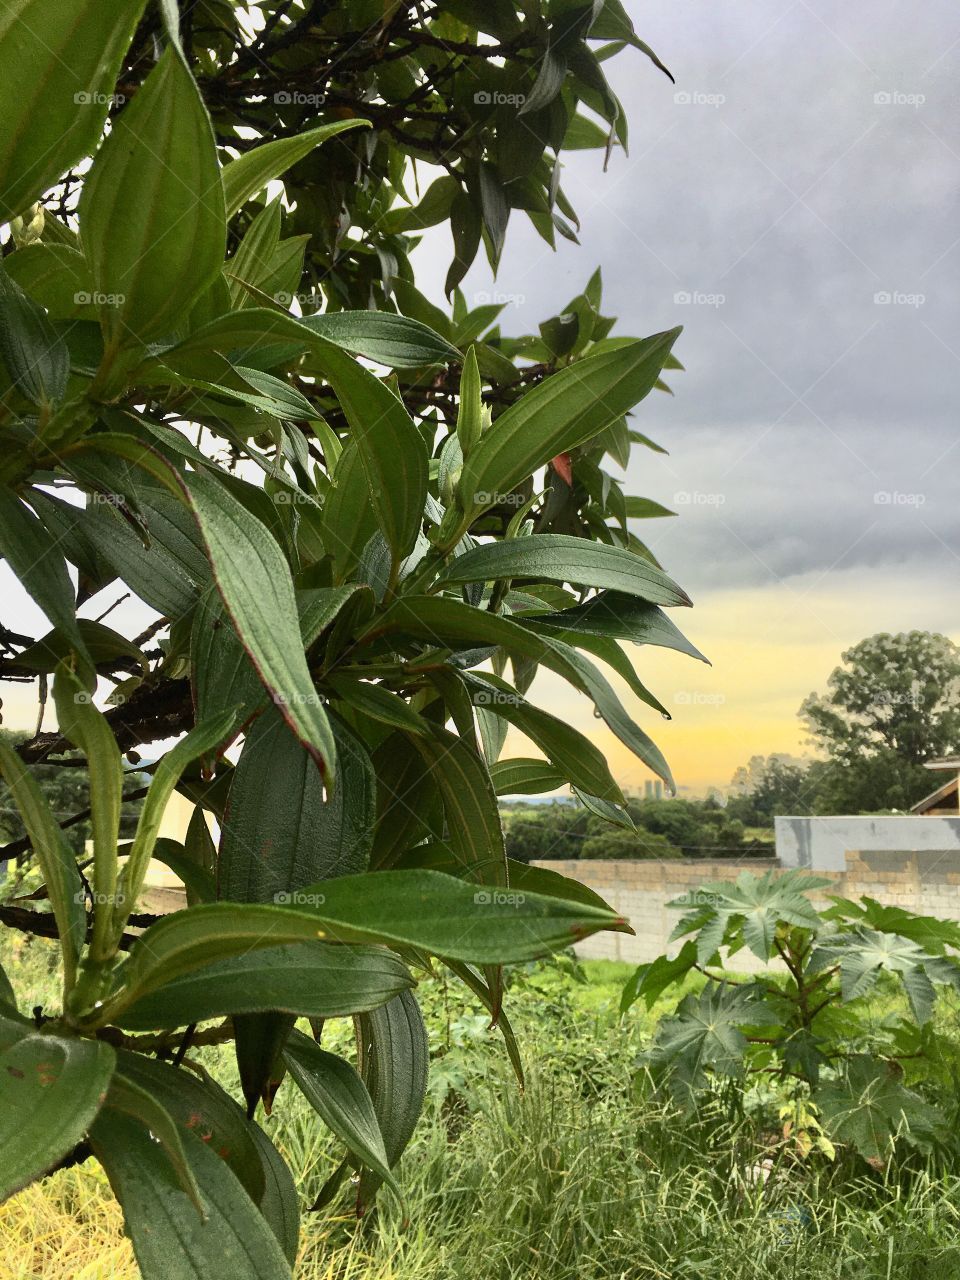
582,1177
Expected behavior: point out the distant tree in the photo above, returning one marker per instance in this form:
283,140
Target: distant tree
614,842
892,704
896,693
67,791
771,786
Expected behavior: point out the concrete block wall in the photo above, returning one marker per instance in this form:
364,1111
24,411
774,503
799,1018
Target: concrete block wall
926,881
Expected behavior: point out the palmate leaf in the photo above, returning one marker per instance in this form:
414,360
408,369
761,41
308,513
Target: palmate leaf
863,954
705,1032
869,1108
53,1087
754,905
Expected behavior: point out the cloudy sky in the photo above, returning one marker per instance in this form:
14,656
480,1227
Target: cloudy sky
791,201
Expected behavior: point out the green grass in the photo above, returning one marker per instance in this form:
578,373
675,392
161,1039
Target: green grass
582,1177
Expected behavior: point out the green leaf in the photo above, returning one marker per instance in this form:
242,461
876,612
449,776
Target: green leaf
651,980
521,777
868,1108
391,449
202,1108
32,554
645,509
340,1098
202,738
254,579
557,557
151,209
60,62
392,340
394,1060
171,1240
87,728
573,755
248,175
58,865
434,208
469,803
53,1087
132,1100
310,980
470,407
619,616
400,908
279,832
36,356
564,411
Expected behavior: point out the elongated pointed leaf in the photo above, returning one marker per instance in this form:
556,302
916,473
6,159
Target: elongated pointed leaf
53,1087
394,1061
620,617
132,1100
246,176
388,339
525,777
566,410
310,980
33,556
60,62
254,579
407,908
58,866
151,210
202,738
338,1095
170,1238
36,356
391,449
279,831
577,759
557,557
469,804
86,727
